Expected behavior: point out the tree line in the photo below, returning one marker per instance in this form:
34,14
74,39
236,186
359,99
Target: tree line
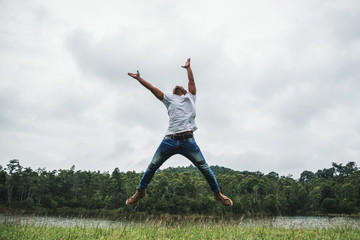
183,190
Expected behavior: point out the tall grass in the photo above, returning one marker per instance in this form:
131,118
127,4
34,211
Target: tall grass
10,231
170,228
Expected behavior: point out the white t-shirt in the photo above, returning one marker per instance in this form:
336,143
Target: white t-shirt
181,111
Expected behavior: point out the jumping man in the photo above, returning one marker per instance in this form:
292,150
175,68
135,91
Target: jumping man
179,138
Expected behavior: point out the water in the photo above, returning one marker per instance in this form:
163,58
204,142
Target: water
303,222
275,222
62,221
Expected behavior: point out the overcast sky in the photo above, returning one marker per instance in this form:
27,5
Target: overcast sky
278,82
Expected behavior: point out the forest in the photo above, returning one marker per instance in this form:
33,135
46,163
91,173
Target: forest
181,191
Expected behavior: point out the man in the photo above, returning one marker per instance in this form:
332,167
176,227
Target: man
179,138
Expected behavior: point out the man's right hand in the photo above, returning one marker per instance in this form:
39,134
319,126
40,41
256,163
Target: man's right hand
158,94
135,75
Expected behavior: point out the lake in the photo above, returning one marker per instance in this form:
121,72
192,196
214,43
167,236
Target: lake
275,222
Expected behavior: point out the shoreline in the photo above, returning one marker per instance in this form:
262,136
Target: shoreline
116,214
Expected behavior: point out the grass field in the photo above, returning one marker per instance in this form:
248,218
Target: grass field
176,231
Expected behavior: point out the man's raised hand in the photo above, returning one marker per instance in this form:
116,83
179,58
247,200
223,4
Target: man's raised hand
135,75
158,94
187,64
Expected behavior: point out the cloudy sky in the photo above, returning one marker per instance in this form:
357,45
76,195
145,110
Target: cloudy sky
278,82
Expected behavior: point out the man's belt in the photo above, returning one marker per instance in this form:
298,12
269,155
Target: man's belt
181,136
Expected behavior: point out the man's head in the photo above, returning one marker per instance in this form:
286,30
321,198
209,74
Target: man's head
179,90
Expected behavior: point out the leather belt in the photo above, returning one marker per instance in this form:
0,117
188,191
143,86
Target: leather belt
181,136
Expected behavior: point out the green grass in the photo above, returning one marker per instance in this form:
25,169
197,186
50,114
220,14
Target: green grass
175,231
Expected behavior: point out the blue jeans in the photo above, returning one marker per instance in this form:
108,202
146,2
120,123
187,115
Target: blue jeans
189,149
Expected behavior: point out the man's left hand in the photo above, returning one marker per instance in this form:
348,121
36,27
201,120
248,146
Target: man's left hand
187,64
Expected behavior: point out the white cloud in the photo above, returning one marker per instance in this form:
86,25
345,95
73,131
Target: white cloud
277,82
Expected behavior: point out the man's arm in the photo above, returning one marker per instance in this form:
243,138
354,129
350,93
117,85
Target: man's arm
158,93
191,84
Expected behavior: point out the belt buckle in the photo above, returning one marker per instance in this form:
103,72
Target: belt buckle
177,137
181,137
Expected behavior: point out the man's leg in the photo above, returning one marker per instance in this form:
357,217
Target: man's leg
192,151
164,151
